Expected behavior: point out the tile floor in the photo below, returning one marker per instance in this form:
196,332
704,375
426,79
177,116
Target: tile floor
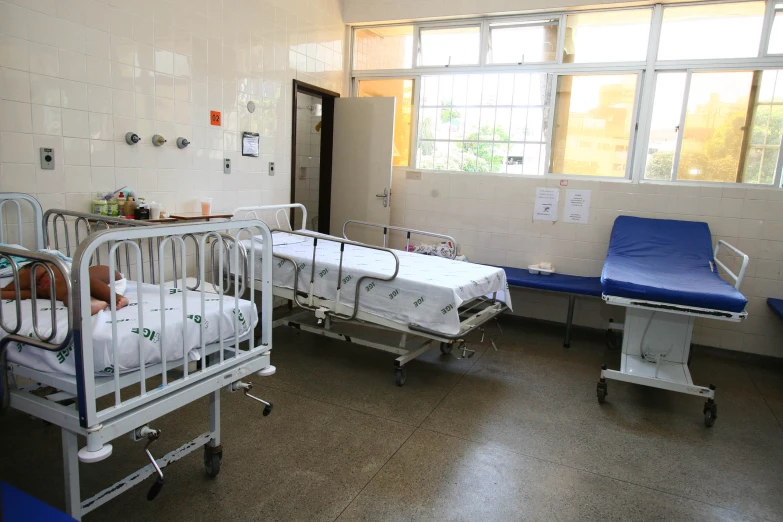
515,434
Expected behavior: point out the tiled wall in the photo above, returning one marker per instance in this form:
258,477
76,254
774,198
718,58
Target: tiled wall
308,159
491,217
371,11
76,75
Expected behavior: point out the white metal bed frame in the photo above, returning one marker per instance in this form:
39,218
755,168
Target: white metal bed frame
414,339
668,371
223,364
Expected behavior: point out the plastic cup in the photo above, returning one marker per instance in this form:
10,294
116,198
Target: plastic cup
154,210
206,206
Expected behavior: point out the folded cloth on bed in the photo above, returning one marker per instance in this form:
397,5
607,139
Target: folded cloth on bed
427,291
129,334
666,261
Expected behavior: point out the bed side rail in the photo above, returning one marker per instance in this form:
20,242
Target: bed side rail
40,337
737,278
16,201
310,305
257,212
227,354
408,232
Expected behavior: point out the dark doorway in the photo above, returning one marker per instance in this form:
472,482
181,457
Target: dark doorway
312,136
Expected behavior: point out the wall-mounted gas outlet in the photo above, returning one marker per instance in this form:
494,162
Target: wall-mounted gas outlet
226,166
271,168
47,159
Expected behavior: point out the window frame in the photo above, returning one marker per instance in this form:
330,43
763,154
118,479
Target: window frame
646,70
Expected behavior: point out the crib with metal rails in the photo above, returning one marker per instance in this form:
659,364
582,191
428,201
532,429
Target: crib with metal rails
425,301
122,369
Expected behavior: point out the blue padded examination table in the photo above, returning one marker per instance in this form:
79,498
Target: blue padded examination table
776,305
666,275
666,261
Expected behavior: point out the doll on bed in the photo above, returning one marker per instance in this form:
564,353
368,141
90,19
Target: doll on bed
100,292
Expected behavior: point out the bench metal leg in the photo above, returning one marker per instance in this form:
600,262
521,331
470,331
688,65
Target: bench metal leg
569,320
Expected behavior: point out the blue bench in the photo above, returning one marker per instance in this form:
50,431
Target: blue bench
776,305
568,284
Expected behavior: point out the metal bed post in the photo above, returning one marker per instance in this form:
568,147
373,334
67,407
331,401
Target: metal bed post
73,497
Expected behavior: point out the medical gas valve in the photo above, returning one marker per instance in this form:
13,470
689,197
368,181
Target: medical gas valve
158,140
131,138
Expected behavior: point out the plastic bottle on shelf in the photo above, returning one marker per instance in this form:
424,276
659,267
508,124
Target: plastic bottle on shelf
99,205
130,207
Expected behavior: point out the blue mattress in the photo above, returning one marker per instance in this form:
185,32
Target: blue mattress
666,261
776,305
555,282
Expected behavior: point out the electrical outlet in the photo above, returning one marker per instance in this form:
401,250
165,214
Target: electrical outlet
226,166
271,168
47,158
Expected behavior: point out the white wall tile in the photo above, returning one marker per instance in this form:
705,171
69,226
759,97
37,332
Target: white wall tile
18,177
122,77
47,120
73,66
101,126
75,123
16,147
101,153
14,85
98,71
76,152
97,43
44,90
99,99
73,95
44,59
14,53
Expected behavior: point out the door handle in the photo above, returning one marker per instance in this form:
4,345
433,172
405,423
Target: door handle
385,197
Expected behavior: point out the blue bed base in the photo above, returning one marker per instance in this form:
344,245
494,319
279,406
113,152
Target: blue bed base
666,261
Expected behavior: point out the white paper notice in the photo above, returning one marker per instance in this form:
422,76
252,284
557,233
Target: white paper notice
545,207
577,206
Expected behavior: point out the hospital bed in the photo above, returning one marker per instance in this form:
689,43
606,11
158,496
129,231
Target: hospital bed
424,301
666,274
110,374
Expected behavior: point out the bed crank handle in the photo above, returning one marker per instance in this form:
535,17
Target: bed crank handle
246,387
152,436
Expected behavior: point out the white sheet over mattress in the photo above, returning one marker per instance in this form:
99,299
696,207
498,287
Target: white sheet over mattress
128,331
427,291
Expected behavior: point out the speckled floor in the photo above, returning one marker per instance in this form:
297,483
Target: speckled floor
514,434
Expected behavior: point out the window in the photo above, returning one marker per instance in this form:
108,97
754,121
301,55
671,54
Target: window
611,36
592,124
383,48
450,46
670,92
731,132
776,34
523,41
484,123
711,31
402,90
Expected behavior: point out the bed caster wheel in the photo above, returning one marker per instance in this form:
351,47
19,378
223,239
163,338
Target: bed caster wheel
710,413
445,348
212,460
601,390
267,410
400,376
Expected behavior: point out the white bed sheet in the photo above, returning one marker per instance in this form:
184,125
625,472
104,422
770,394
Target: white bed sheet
427,291
128,331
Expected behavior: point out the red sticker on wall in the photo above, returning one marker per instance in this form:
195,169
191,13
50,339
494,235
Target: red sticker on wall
214,118
563,182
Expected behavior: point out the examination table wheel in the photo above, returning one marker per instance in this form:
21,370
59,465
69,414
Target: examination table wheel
445,348
601,390
212,460
400,375
710,412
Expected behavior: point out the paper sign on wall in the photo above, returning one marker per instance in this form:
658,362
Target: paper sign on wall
545,206
577,206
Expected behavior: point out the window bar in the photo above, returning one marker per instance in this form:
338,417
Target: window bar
648,93
629,157
750,115
766,31
681,127
551,126
561,33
